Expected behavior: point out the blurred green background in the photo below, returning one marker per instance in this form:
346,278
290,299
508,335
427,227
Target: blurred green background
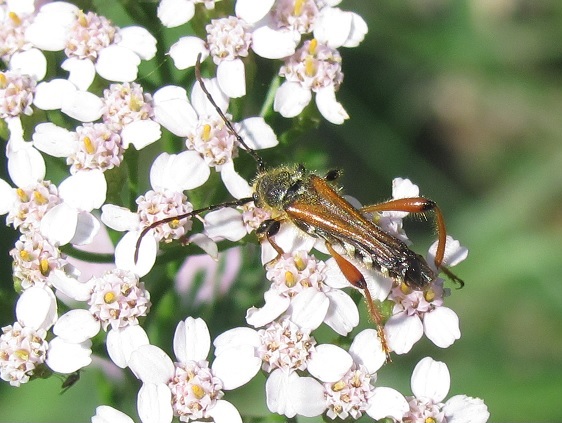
465,99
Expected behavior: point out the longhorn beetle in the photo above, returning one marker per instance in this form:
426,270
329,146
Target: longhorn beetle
291,193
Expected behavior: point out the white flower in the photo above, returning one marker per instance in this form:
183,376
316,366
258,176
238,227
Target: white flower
315,67
207,134
16,94
418,312
107,414
189,388
302,288
114,53
430,385
170,175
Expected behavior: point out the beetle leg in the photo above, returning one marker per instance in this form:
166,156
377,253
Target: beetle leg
356,278
268,229
421,205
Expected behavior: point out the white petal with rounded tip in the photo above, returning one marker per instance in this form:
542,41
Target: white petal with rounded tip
54,140
463,409
358,31
307,396
257,134
231,76
116,63
236,185
274,306
202,104
192,340
431,379
154,403
402,332
49,30
84,190
30,62
329,363
291,98
179,172
119,218
37,308
206,244
76,326
138,40
225,412
270,43
234,338
237,366
70,286
185,51
225,223
387,402
82,72
26,166
59,224
50,95
308,308
454,252
107,414
329,107
173,111
125,253
366,349
86,229
441,326
277,390
151,364
253,10
342,314
8,197
122,342
82,105
174,13
333,26
140,133
67,357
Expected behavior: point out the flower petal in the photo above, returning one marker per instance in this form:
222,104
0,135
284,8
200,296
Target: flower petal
154,403
59,224
76,326
307,396
431,379
270,43
234,338
275,304
454,252
67,357
37,308
26,165
151,364
138,40
277,390
84,190
106,414
173,111
342,315
185,51
179,172
291,98
237,366
116,63
225,223
463,409
53,140
70,286
257,134
366,349
224,412
253,10
82,72
329,363
121,342
125,253
402,332
231,77
29,62
387,402
202,104
236,185
174,13
441,326
82,105
192,340
329,107
308,308
140,133
119,218
333,26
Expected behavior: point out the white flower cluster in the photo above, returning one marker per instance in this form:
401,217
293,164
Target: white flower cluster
104,116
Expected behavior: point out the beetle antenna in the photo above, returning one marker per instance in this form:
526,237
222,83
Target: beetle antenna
251,151
192,213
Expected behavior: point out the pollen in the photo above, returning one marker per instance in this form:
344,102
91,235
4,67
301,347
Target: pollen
405,289
297,9
430,420
44,266
300,263
89,145
82,20
14,18
198,391
39,198
290,280
25,256
22,195
174,224
206,135
429,295
3,80
338,386
22,354
313,46
109,297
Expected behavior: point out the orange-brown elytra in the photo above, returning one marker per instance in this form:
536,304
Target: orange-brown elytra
291,193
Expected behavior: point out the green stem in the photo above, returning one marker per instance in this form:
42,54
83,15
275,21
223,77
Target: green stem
270,96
